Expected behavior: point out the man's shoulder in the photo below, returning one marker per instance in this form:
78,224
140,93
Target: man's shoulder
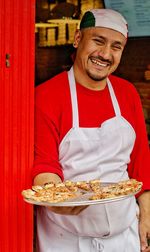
124,89
116,79
121,83
51,92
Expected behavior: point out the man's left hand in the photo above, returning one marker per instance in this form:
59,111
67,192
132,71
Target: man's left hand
144,221
144,231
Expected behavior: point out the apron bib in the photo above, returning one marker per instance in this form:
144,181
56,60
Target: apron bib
91,153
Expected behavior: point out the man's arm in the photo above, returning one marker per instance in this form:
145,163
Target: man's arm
144,220
44,178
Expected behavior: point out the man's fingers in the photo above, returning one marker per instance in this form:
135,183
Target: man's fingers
144,242
67,210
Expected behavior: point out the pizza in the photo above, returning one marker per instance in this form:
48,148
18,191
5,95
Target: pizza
122,188
50,192
69,190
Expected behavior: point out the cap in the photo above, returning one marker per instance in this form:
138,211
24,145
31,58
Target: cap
105,18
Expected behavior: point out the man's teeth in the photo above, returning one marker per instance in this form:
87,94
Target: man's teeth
99,63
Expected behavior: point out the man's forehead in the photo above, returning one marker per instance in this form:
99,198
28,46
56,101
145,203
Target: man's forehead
102,32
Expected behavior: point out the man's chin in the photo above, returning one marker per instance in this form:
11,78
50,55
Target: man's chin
97,77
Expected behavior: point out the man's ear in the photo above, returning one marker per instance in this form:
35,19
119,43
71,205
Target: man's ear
77,38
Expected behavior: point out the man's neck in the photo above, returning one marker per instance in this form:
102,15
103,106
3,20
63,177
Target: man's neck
87,82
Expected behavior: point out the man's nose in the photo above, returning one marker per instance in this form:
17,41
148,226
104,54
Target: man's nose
105,52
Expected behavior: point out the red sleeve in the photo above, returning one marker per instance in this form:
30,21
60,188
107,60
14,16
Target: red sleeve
48,97
139,167
46,145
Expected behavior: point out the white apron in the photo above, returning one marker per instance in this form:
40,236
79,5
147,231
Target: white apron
85,154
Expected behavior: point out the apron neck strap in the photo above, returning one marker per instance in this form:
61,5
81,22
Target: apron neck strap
74,102
114,99
72,85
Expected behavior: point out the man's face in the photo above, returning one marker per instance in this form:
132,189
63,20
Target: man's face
99,51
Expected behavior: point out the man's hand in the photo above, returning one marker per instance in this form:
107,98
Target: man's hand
44,178
144,221
144,230
67,210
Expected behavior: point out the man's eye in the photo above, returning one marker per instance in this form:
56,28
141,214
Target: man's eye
98,41
117,47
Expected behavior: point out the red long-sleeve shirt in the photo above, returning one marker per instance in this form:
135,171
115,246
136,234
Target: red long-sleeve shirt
53,119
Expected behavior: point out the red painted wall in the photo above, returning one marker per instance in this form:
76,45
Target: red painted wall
16,122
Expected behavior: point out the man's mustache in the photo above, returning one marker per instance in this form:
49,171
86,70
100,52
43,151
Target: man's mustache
102,59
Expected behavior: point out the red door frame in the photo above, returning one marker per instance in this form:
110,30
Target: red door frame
17,19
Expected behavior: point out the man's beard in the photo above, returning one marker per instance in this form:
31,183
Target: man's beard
95,77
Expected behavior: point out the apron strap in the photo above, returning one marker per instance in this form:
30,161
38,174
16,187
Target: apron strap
72,85
75,114
114,99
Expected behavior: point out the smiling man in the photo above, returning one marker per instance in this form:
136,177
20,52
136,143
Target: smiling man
89,125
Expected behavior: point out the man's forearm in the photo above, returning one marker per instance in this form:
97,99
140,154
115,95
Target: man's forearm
44,178
144,204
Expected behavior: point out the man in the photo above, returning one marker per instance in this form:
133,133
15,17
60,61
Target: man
89,124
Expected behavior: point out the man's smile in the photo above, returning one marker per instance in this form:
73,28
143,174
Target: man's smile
99,62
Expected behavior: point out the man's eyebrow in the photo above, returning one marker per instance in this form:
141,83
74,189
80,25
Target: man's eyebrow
98,36
102,37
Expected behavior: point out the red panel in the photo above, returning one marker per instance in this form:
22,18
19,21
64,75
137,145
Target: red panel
16,123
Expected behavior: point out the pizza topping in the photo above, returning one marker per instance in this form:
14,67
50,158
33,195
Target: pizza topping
83,185
71,185
95,185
